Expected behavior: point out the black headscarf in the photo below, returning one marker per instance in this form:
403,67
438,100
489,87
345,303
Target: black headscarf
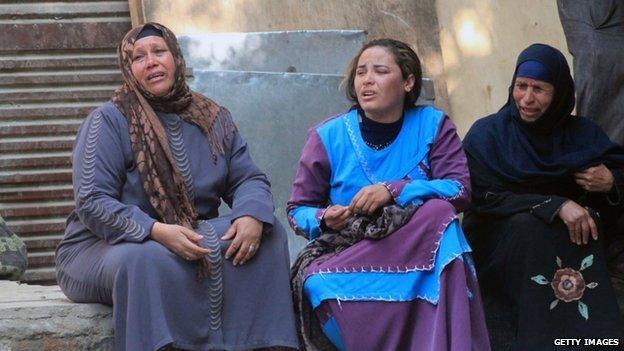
556,145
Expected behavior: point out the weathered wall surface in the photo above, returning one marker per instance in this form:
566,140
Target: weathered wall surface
468,47
481,40
414,22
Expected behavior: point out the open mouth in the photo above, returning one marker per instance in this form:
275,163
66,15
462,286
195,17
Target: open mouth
368,93
529,111
155,76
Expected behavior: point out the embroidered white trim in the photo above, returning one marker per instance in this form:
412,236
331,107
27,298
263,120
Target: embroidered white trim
390,297
391,269
358,152
440,232
459,193
421,171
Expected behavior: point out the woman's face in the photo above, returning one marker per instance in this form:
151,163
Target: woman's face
153,65
532,97
379,84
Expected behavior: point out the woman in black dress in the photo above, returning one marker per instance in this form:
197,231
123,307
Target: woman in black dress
547,189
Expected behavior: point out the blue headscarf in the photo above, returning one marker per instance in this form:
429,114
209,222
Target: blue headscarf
536,70
556,145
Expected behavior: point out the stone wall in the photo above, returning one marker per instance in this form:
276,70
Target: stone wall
468,47
414,22
481,40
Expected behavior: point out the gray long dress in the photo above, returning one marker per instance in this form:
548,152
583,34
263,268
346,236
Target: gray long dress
594,31
106,255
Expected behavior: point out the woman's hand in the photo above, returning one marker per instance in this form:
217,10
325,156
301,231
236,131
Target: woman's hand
370,198
247,233
579,222
180,240
336,217
595,179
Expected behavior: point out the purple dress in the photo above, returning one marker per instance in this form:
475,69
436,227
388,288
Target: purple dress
415,289
107,256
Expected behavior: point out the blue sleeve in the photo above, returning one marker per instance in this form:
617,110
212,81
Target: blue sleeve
449,178
417,191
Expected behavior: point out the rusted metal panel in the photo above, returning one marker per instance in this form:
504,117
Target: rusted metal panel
30,193
34,177
58,62
53,94
45,143
60,78
38,227
35,209
54,110
37,160
57,36
25,63
46,242
48,127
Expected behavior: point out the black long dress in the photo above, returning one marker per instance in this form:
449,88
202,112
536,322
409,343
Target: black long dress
523,254
521,176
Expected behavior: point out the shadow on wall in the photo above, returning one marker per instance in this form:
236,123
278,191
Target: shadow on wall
464,44
480,42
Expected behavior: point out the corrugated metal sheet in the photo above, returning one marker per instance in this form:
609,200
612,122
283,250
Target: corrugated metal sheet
57,62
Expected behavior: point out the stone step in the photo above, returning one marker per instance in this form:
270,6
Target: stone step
269,107
304,51
34,317
40,275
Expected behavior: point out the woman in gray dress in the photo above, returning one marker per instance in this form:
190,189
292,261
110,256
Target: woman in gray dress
150,169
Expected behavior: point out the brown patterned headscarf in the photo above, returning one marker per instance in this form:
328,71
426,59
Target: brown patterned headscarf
161,178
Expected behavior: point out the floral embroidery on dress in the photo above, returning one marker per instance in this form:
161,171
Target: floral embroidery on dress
569,285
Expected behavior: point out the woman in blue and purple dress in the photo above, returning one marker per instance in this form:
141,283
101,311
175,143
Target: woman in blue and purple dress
377,193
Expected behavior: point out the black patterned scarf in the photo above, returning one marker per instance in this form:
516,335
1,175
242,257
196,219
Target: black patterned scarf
383,223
